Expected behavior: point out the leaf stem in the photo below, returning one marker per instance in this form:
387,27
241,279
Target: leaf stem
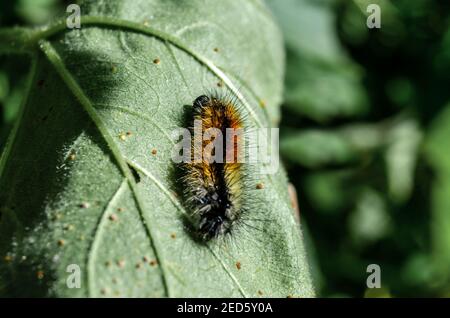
12,136
17,40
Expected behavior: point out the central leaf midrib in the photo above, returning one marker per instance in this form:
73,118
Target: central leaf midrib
57,63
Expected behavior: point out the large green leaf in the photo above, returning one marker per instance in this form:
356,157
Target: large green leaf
86,177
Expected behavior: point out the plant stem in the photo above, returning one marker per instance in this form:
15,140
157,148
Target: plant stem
17,40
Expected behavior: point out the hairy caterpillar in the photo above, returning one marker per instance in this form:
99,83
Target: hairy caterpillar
213,188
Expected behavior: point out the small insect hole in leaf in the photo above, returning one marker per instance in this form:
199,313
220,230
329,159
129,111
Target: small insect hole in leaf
84,205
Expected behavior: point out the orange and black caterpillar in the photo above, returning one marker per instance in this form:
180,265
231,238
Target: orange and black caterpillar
213,189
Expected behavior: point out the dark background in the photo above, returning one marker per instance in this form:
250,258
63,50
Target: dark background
365,136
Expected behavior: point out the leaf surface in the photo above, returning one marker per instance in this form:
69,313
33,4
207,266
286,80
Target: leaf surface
87,176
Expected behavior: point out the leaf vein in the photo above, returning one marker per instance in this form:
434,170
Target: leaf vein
97,234
148,30
67,77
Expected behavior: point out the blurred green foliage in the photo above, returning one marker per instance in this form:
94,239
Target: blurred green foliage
365,136
14,69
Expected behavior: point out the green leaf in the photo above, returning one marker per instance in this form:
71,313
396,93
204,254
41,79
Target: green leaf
322,83
370,220
323,92
316,148
438,155
36,11
308,28
80,180
401,156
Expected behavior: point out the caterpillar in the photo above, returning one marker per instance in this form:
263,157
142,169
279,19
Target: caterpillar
213,188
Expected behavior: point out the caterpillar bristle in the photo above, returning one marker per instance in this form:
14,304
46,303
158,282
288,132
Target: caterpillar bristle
213,188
